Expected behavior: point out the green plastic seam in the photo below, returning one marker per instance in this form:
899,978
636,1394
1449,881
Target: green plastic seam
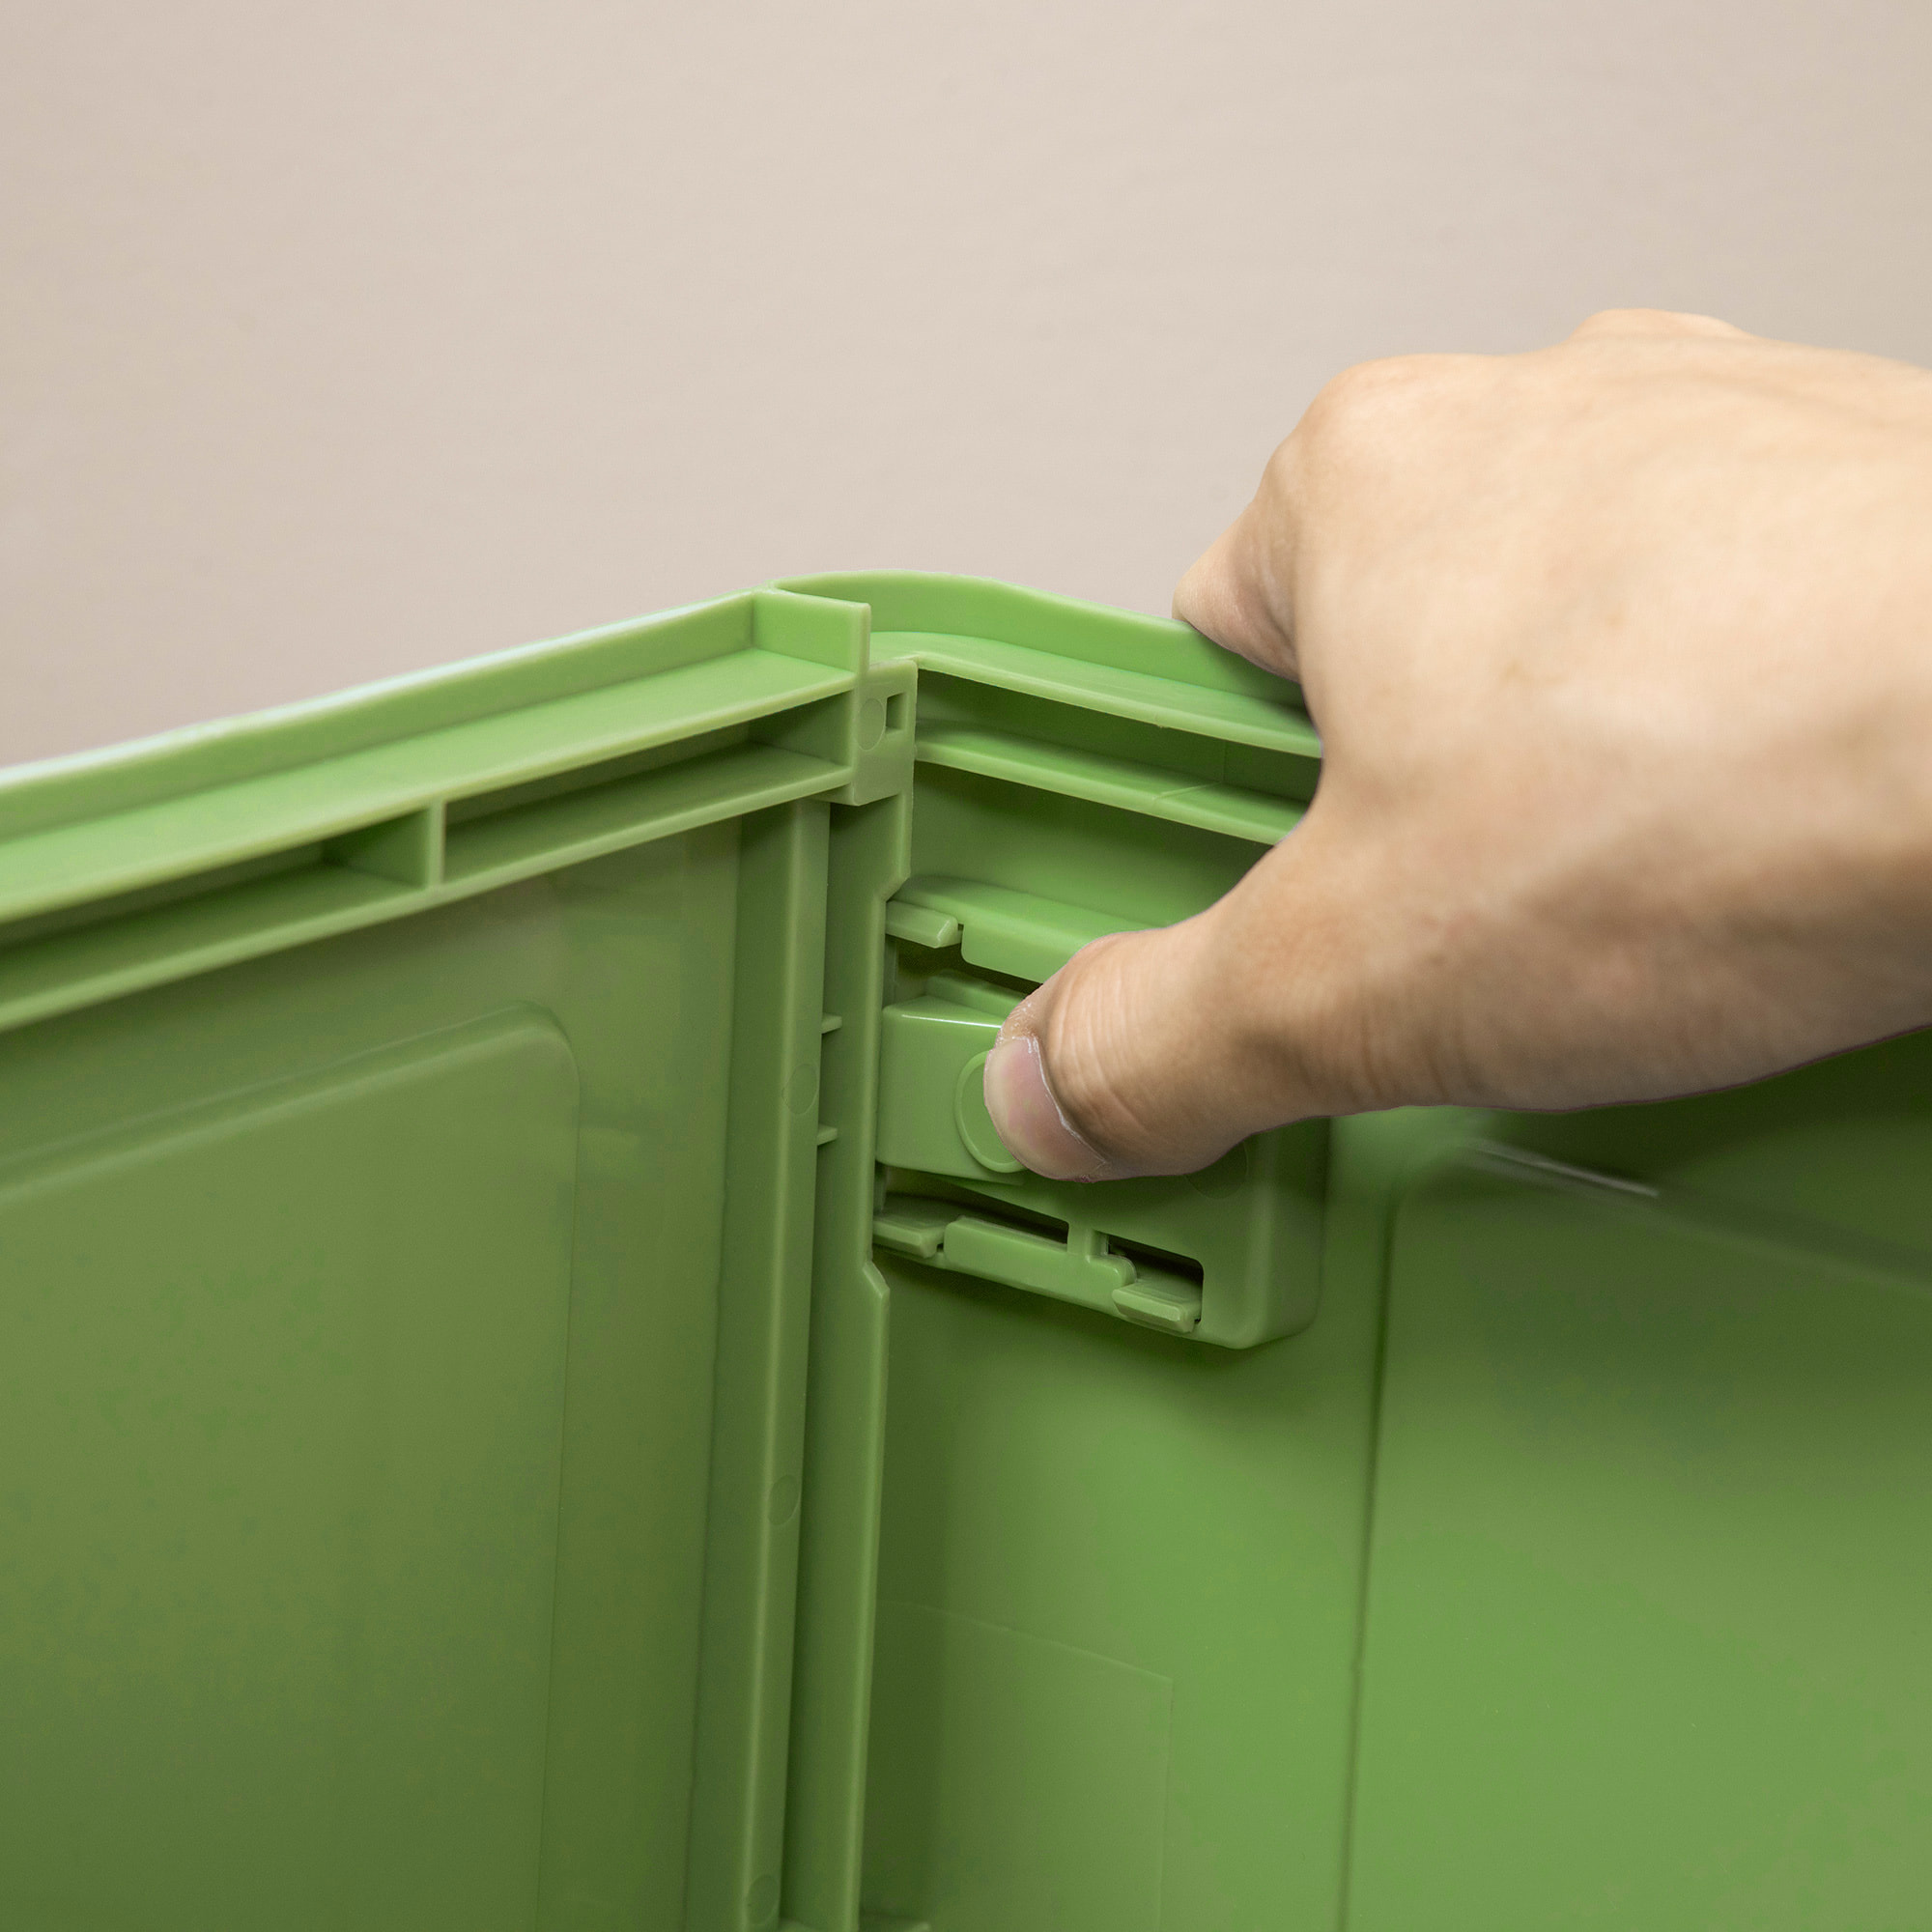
845,1416
758,1452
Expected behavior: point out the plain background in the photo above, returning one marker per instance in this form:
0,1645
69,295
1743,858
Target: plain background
340,340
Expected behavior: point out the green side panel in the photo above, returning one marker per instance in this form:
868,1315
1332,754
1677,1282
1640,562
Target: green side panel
281,1495
1646,1639
419,1202
413,1145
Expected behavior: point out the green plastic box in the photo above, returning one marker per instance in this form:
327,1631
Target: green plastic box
532,1398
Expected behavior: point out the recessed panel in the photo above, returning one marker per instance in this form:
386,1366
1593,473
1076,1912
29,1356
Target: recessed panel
1646,1618
281,1395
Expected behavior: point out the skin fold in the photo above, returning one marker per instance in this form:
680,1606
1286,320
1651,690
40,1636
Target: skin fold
1621,654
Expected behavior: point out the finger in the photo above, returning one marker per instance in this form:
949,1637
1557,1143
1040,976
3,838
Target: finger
1239,593
1127,1062
1029,1119
1662,321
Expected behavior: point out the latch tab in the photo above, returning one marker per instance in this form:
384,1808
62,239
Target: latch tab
1229,1256
1083,1269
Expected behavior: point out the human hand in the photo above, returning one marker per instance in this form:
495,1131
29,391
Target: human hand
1621,653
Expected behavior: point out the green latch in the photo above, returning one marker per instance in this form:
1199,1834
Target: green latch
1229,1256
1083,1269
932,1118
932,1108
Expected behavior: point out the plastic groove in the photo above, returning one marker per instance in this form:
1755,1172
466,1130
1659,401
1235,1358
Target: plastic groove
1075,1263
1269,723
736,1826
845,1414
324,888
1104,780
104,959
584,823
407,851
1067,628
180,836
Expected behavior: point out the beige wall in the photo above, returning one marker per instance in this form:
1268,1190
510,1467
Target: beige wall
341,339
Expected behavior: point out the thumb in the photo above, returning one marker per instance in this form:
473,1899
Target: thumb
1131,1060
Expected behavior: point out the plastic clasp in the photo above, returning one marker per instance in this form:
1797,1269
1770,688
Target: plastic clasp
1230,1256
1083,1269
932,1107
